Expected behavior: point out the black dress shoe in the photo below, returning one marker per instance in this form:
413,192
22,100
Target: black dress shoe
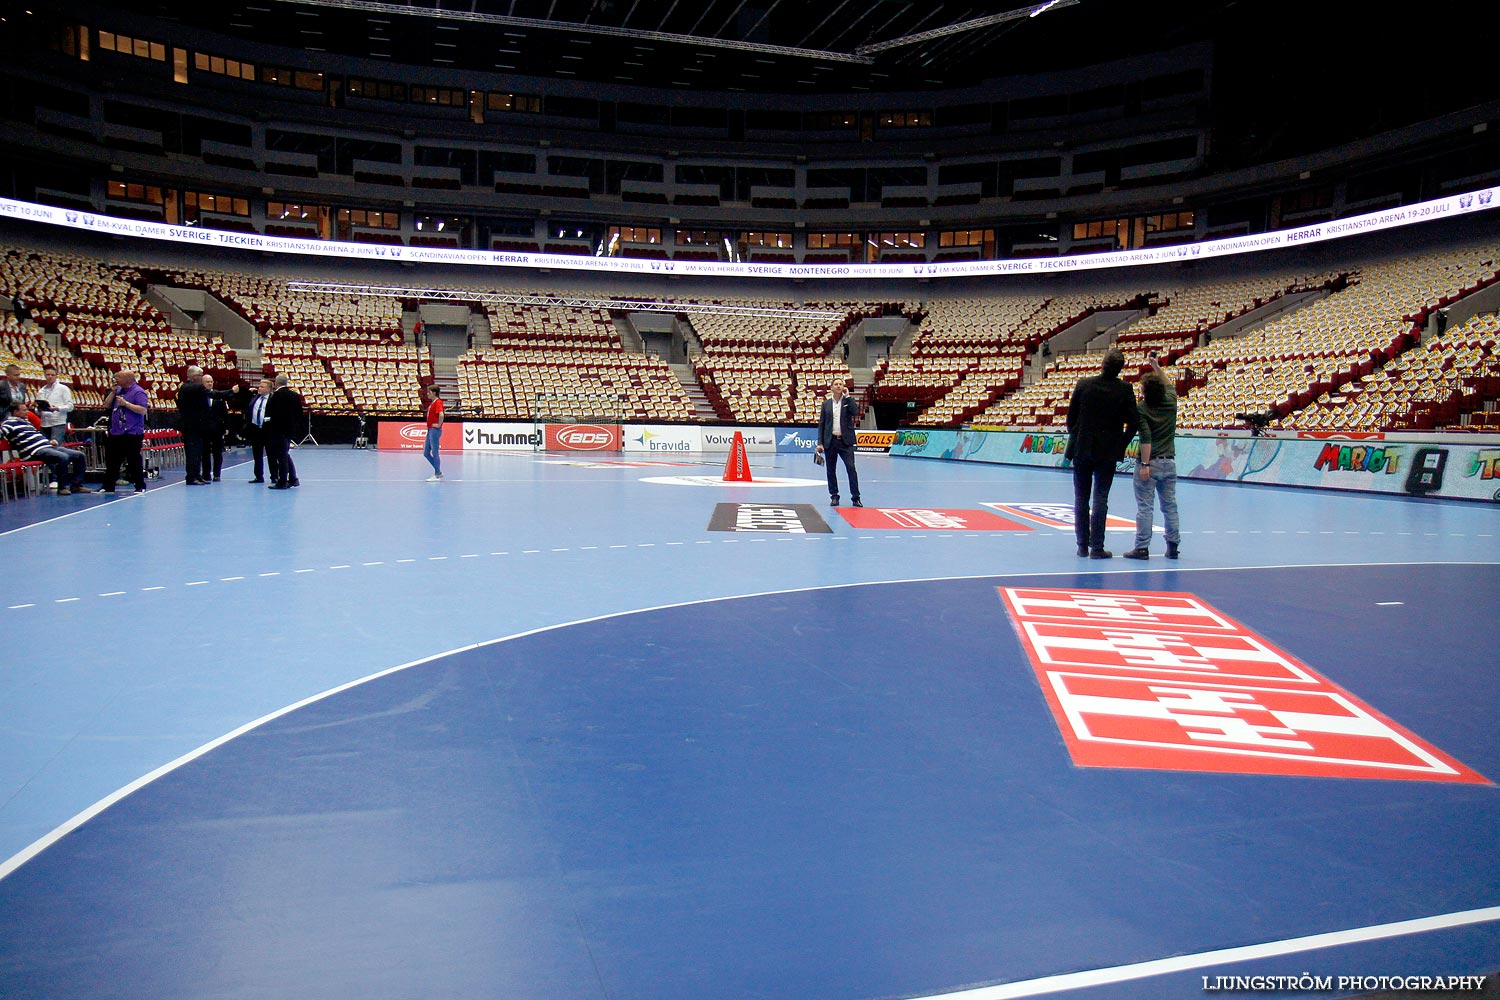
295,482
833,501
196,482
859,503
257,479
280,486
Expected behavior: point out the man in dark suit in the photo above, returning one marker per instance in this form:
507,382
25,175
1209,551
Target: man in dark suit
1102,418
214,428
836,439
192,421
257,430
288,423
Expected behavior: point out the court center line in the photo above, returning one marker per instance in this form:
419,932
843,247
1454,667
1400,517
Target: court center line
913,535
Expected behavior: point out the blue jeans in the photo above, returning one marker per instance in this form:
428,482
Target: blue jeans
67,465
430,449
1163,483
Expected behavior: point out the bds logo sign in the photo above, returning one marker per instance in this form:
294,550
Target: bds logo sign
583,437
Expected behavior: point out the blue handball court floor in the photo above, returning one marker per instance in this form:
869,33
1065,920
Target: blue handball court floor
562,729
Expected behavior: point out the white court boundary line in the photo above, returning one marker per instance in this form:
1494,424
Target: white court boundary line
1224,956
1024,988
18,859
101,506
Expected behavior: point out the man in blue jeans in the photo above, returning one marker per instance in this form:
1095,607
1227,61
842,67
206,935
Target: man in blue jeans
1102,419
1156,469
29,444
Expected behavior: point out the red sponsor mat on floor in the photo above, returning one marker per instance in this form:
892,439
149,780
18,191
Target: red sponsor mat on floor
927,519
1057,515
1165,681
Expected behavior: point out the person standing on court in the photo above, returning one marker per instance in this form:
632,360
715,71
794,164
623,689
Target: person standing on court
59,403
1102,418
288,421
1156,469
257,430
214,428
127,404
192,421
837,438
432,446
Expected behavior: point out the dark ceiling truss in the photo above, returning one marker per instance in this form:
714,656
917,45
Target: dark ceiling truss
851,32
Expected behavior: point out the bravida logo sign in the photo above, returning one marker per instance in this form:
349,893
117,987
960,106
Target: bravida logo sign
583,437
1165,681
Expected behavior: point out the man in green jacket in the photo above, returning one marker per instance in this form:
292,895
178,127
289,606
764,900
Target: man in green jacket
1156,469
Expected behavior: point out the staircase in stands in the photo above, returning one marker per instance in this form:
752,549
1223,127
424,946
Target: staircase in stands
703,410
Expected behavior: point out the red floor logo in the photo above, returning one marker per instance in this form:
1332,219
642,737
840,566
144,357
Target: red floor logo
1056,515
927,519
1165,681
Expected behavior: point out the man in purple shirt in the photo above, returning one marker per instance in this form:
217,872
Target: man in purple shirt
127,404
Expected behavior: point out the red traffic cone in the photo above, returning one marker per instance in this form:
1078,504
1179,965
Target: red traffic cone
737,469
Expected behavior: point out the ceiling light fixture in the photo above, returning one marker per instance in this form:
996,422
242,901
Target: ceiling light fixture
962,26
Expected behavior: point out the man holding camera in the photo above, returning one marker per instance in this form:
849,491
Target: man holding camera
1156,468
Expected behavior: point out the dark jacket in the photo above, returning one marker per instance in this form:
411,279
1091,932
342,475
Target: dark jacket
218,412
1102,418
284,413
851,422
192,407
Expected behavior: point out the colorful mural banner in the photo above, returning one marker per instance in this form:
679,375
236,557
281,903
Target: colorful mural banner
1466,468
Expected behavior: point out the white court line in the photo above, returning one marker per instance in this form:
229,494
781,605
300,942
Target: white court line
21,857
101,506
1224,956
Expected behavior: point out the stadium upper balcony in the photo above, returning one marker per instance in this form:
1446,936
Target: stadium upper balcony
191,121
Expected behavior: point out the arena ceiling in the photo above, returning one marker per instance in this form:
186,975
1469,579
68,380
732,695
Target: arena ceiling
1288,76
828,46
